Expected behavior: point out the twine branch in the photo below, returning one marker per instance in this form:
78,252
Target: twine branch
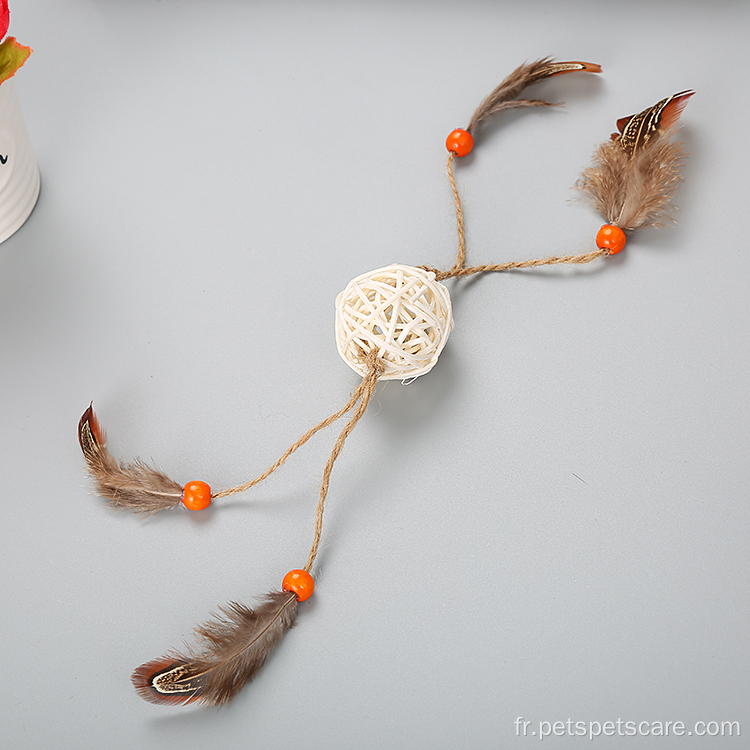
375,369
363,392
461,258
360,399
460,270
375,366
294,446
552,260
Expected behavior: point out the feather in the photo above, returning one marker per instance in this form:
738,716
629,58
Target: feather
236,644
504,96
635,174
135,486
635,132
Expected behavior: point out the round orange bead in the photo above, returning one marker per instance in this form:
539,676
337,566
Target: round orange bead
196,495
460,142
611,238
300,583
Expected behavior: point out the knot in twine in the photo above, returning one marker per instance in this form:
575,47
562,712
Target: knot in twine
398,314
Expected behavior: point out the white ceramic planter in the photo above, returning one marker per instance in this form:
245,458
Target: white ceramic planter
19,174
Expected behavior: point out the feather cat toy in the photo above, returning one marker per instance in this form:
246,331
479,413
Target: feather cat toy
391,323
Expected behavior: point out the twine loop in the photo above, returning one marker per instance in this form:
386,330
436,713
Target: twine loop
399,313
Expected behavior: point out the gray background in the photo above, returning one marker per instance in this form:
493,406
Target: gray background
553,524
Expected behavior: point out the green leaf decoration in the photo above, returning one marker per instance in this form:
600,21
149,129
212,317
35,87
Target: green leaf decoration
12,56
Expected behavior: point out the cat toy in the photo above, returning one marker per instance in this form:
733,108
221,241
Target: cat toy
391,323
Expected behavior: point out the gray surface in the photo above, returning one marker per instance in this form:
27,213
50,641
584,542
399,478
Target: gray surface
553,524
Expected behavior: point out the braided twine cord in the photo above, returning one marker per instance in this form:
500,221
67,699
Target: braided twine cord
377,349
460,270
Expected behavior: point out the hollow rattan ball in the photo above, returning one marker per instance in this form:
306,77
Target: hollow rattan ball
400,311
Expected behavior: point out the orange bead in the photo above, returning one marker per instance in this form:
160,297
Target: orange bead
611,238
460,142
196,495
300,583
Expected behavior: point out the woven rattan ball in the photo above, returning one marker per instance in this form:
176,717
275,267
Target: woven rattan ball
401,312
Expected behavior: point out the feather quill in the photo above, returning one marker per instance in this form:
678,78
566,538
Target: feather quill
137,486
504,96
635,174
236,644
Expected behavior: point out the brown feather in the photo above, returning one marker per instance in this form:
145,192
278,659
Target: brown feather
236,644
638,131
504,96
634,175
135,486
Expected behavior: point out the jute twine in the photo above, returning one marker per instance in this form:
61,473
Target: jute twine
393,323
461,270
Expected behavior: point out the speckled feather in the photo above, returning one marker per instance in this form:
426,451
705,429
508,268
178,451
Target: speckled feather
136,486
236,644
635,174
504,95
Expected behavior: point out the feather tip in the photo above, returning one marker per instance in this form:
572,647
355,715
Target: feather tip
135,486
504,95
236,644
149,679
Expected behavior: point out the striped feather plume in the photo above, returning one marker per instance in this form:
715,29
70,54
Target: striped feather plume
504,96
635,174
236,644
135,486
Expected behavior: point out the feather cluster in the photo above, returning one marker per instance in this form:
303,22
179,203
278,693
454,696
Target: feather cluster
137,486
236,644
635,174
504,96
